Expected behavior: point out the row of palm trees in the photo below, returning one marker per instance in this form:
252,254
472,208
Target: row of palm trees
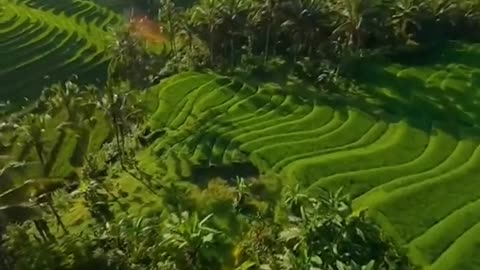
314,28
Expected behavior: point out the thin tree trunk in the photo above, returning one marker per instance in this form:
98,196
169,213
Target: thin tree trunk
43,230
310,46
190,42
57,216
172,39
267,43
39,150
118,140
232,52
211,46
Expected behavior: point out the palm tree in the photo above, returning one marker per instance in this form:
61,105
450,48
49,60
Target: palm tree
352,18
187,28
206,19
264,14
168,15
233,16
302,24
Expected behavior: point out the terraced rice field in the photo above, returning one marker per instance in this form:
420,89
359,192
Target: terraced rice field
46,41
416,175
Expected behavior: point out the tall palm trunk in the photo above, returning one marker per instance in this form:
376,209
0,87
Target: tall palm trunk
232,52
172,34
267,42
211,40
190,42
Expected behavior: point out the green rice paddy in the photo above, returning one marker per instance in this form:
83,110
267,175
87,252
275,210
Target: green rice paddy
42,42
406,147
414,167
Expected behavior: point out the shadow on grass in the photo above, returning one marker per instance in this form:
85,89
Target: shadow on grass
453,103
389,91
202,175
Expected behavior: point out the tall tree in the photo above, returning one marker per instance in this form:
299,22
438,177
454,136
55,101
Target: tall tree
168,15
352,20
302,23
233,18
265,15
206,19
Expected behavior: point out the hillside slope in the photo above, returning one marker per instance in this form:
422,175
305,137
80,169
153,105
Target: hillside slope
42,42
415,173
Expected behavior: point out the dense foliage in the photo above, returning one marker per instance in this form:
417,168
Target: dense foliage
315,234
314,40
233,30
79,189
242,226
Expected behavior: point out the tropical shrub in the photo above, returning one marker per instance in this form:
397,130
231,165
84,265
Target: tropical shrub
318,233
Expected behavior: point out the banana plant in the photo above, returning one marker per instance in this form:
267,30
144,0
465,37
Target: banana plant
295,199
241,192
191,237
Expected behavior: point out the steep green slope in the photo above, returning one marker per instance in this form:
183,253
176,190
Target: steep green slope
415,173
80,10
50,43
442,86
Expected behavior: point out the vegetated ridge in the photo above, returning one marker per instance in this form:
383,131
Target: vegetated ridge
403,142
43,42
415,173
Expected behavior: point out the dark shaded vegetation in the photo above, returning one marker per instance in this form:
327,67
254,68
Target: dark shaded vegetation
318,233
201,176
235,223
320,46
312,31
83,143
